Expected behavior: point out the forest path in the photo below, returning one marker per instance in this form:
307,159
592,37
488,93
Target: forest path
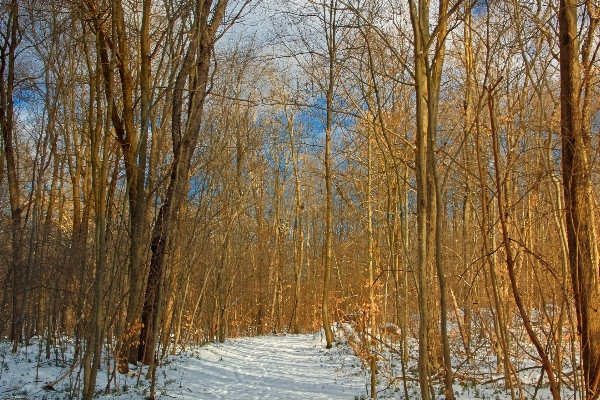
267,367
263,367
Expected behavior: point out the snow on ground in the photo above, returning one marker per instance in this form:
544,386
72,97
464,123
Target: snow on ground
269,367
265,367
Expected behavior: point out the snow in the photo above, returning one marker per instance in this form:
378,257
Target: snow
277,367
264,367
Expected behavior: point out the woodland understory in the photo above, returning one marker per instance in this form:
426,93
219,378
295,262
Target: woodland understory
174,173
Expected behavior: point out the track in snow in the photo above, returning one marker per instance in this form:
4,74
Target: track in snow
264,367
275,367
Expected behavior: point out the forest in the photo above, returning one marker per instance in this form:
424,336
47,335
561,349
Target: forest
178,172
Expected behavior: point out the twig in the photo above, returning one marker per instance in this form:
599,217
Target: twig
50,385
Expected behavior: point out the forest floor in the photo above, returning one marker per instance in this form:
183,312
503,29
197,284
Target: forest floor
264,367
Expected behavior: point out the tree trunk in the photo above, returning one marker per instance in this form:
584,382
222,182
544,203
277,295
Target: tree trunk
7,86
371,273
208,19
331,29
579,203
421,178
298,234
434,77
427,76
133,145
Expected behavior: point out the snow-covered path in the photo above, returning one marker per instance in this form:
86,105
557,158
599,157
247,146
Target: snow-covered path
275,367
265,367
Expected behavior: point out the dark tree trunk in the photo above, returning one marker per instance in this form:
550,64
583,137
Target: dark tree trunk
583,258
185,138
7,81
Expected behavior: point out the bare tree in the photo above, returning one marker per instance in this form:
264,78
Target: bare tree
195,69
427,76
11,37
579,201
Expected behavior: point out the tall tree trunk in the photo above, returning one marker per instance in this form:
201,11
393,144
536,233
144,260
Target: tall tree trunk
138,203
100,143
427,76
133,145
331,31
583,260
467,149
208,18
421,178
7,85
298,233
434,78
371,273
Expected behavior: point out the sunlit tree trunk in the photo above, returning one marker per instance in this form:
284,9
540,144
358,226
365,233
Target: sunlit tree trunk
208,17
434,76
467,149
100,143
298,235
427,76
370,269
329,18
421,178
133,145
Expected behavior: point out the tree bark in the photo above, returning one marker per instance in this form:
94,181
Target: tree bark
133,145
421,178
298,234
427,76
583,260
7,85
331,31
208,18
